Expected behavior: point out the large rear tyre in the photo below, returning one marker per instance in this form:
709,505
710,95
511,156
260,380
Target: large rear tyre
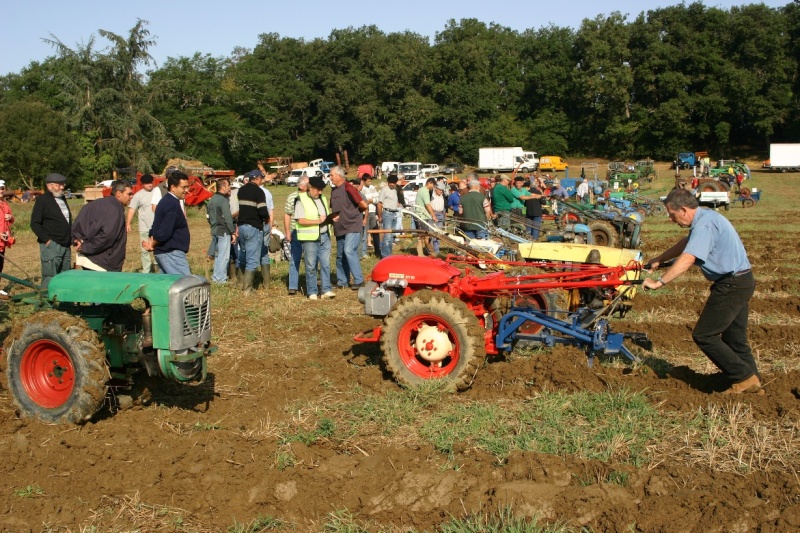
431,335
711,186
57,370
604,233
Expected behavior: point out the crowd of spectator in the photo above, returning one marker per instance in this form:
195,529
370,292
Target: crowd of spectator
356,214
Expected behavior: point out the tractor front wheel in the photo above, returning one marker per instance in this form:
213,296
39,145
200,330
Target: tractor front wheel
57,370
604,233
432,335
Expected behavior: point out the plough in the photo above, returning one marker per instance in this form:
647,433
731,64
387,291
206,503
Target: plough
441,322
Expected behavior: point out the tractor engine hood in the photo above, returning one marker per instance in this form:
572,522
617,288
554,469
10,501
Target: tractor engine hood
415,270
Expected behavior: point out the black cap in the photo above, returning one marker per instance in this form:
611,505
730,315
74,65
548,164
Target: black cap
55,178
317,182
147,178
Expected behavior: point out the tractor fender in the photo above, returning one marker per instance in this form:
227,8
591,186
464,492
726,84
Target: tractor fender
415,270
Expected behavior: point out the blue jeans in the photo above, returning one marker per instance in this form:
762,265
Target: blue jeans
439,223
389,221
535,227
294,262
173,262
477,234
222,246
347,260
251,240
313,252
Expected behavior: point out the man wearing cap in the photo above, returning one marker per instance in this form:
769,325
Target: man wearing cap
390,202
223,230
290,229
6,239
140,206
310,214
253,215
347,201
714,245
51,221
99,231
169,236
475,209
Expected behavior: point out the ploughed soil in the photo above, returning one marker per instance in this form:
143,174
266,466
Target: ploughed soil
205,457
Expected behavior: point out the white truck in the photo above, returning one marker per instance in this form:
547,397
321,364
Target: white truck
784,157
506,159
410,170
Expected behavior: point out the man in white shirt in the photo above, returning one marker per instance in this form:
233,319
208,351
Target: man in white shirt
141,206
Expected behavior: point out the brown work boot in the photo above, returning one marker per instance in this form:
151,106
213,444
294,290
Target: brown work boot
751,385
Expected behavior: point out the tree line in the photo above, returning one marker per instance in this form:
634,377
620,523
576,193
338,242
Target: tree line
684,77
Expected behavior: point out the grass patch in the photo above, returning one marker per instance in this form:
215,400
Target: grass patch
502,521
31,491
257,525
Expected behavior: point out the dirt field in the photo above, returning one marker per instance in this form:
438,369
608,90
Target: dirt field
208,457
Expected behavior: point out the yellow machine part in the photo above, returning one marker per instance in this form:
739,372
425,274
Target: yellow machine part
579,253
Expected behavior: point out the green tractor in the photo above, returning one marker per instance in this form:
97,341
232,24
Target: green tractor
638,176
95,330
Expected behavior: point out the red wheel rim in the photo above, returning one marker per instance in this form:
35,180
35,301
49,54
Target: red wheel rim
416,364
570,218
536,302
47,373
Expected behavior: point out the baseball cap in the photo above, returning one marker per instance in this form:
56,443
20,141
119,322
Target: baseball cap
317,182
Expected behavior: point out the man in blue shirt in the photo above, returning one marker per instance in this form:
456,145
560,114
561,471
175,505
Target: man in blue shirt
169,236
714,246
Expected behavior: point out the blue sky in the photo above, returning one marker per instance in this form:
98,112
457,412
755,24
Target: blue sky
182,28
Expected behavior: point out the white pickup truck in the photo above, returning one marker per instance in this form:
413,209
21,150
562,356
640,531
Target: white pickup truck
410,170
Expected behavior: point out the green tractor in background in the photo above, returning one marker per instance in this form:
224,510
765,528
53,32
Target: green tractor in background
640,175
93,330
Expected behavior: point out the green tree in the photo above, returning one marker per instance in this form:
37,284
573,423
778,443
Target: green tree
34,142
102,94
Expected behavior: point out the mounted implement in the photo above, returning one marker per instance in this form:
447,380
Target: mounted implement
440,322
85,336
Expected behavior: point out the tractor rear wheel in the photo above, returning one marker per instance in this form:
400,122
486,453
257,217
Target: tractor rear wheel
604,233
711,186
57,370
570,218
658,209
432,335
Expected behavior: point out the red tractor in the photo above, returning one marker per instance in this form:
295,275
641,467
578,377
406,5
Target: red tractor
440,321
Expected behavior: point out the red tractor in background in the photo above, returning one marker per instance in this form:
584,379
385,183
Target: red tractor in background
196,194
441,322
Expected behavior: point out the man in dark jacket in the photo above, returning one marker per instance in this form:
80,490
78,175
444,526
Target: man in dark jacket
51,221
223,231
253,215
169,236
100,233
